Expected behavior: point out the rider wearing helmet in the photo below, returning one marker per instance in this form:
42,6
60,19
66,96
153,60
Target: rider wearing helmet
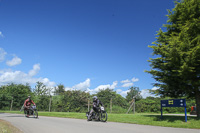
28,103
96,103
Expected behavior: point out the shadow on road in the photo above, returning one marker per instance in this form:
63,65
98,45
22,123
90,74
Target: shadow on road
15,116
171,118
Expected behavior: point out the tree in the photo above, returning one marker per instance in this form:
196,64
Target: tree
59,89
177,66
110,98
41,96
14,94
105,96
133,91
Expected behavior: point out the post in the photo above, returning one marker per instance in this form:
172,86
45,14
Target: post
130,107
50,104
161,112
88,104
185,114
133,106
11,104
111,105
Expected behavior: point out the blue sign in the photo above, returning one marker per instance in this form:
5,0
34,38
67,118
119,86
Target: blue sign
174,103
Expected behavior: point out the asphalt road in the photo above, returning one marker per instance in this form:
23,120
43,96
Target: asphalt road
66,125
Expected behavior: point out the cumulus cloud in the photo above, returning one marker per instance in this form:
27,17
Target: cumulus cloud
15,61
122,93
125,81
2,54
155,88
134,79
35,70
19,77
102,87
127,85
82,86
146,93
1,34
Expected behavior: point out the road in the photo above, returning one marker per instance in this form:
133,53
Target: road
67,125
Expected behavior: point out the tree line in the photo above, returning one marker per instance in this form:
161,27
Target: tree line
12,97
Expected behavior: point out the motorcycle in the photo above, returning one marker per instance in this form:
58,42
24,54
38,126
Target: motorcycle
31,111
101,115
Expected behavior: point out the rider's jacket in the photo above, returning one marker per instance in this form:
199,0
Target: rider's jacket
28,103
97,103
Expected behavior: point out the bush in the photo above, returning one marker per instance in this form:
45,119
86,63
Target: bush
118,109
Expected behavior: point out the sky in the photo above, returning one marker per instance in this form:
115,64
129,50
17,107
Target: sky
85,45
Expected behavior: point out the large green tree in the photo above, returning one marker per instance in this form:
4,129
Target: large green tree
177,66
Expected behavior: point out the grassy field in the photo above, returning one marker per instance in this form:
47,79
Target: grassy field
138,118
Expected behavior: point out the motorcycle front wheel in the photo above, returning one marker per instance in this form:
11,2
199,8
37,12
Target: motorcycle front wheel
104,116
35,114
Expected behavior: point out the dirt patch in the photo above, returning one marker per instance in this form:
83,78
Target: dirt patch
6,127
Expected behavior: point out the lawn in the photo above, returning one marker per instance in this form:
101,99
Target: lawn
138,118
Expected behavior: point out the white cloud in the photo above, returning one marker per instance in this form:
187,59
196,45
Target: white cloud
122,93
1,34
134,79
47,82
100,87
118,91
127,85
15,61
83,85
19,77
2,54
146,93
35,70
155,88
125,81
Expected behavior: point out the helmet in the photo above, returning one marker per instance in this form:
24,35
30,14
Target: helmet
95,98
29,97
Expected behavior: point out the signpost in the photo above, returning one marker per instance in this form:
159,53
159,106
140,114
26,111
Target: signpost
174,103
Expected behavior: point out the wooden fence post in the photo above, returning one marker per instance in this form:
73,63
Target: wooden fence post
11,104
111,105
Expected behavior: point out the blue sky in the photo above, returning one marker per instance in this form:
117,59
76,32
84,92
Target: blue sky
82,44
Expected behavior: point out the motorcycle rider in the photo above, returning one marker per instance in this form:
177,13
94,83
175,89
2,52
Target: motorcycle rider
96,103
27,104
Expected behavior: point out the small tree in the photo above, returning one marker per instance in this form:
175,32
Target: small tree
133,91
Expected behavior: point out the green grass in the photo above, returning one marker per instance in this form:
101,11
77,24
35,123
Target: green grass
6,127
138,118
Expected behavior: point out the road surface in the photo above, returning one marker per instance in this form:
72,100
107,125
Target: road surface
67,125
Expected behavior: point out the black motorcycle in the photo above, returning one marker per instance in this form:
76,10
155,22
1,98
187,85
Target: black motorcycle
31,111
101,115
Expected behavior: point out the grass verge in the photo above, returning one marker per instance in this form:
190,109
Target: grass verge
6,127
138,118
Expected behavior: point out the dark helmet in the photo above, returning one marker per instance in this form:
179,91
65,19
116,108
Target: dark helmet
95,98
